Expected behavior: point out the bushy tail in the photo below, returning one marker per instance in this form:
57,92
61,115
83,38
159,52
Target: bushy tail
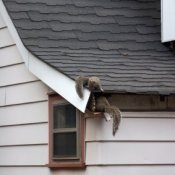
116,115
79,84
116,119
79,87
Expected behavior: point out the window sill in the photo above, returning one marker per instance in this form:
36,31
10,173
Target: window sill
89,114
67,165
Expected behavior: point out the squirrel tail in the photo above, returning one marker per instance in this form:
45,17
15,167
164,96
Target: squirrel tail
79,84
116,119
116,115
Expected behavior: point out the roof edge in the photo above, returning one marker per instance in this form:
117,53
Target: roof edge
56,80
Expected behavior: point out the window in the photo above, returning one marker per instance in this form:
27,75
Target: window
66,134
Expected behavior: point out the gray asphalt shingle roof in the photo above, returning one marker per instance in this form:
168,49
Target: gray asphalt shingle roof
116,40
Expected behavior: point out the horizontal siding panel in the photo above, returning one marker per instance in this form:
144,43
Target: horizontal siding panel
104,153
2,23
114,170
15,74
24,114
25,93
25,134
132,170
161,114
151,129
2,96
9,55
24,155
24,171
120,170
6,38
95,170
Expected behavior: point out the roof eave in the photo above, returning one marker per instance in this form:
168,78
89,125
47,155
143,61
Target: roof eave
56,80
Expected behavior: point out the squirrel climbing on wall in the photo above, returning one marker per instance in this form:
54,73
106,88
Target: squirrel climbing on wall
102,105
92,83
98,103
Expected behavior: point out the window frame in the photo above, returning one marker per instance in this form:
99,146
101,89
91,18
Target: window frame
78,162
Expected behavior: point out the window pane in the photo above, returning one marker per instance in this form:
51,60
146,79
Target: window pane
64,116
65,145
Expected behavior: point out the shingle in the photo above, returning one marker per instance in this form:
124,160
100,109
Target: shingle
20,15
116,40
117,37
127,12
44,8
148,29
87,27
71,43
66,18
145,21
52,2
35,34
27,25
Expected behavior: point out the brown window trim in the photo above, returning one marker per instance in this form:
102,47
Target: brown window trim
65,164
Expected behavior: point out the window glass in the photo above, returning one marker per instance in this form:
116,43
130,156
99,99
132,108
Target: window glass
65,145
64,116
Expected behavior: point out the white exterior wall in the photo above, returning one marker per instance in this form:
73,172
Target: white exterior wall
144,143
23,113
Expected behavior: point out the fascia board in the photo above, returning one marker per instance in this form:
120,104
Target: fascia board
167,20
56,80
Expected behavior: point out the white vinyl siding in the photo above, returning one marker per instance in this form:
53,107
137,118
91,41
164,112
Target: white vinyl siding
2,95
130,153
6,39
133,129
37,170
14,115
9,56
25,93
144,144
100,170
24,134
16,74
23,113
27,155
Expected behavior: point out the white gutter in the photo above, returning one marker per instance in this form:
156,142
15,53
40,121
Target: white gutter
60,83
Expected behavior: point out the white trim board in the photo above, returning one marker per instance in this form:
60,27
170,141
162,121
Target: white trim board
167,20
60,83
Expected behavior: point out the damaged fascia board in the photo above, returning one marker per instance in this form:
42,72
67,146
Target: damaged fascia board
59,82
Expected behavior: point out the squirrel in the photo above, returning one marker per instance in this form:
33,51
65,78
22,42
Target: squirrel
98,103
102,105
92,83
